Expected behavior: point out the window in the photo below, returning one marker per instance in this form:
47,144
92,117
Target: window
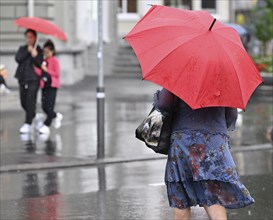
209,4
186,4
127,6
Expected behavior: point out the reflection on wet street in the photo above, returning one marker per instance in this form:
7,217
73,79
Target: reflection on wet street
121,191
77,138
133,190
253,124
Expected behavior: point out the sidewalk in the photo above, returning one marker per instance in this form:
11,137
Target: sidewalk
128,100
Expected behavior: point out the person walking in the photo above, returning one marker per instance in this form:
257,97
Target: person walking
27,57
200,169
206,74
50,83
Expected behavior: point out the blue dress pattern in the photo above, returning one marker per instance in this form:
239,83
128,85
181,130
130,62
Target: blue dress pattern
200,169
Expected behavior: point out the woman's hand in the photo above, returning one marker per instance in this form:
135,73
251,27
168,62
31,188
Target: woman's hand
30,48
3,72
44,68
32,51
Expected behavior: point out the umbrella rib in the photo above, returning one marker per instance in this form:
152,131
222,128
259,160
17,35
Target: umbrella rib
151,29
238,46
161,44
185,68
229,39
226,55
150,72
166,56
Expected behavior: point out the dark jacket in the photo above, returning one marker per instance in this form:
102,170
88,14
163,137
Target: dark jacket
213,120
25,71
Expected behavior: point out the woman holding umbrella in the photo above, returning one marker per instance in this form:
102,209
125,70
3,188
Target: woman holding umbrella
206,75
27,57
200,168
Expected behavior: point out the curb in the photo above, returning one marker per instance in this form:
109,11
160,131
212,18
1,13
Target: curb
105,161
69,164
255,147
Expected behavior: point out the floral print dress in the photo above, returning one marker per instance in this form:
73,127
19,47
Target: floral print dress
200,169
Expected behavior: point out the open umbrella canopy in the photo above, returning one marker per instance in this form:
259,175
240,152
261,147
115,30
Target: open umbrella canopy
42,26
200,60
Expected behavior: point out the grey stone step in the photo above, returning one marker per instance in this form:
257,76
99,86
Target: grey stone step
122,60
109,56
127,58
131,70
126,63
126,53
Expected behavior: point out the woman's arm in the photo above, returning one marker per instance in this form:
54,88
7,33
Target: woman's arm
231,115
22,54
54,68
164,100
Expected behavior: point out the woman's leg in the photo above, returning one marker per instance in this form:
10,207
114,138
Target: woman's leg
181,214
31,99
44,100
216,212
23,94
48,104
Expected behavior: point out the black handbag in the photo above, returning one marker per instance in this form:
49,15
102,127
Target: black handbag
155,131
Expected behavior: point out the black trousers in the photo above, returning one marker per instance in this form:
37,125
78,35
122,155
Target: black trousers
48,103
28,98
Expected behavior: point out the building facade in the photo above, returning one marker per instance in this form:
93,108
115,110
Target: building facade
130,11
78,19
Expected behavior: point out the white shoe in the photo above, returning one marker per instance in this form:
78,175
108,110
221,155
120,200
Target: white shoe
44,130
26,128
4,90
57,123
39,117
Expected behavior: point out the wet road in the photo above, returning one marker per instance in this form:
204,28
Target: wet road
125,109
118,191
121,191
77,137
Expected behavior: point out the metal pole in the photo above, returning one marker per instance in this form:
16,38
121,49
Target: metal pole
231,12
30,8
100,88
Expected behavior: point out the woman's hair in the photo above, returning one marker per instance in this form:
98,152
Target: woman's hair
50,45
31,31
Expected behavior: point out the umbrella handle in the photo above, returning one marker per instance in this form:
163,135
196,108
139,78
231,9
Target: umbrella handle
36,42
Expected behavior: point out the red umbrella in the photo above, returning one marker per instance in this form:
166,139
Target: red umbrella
197,58
42,26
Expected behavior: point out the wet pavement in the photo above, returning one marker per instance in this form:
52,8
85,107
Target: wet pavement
132,190
128,100
117,191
